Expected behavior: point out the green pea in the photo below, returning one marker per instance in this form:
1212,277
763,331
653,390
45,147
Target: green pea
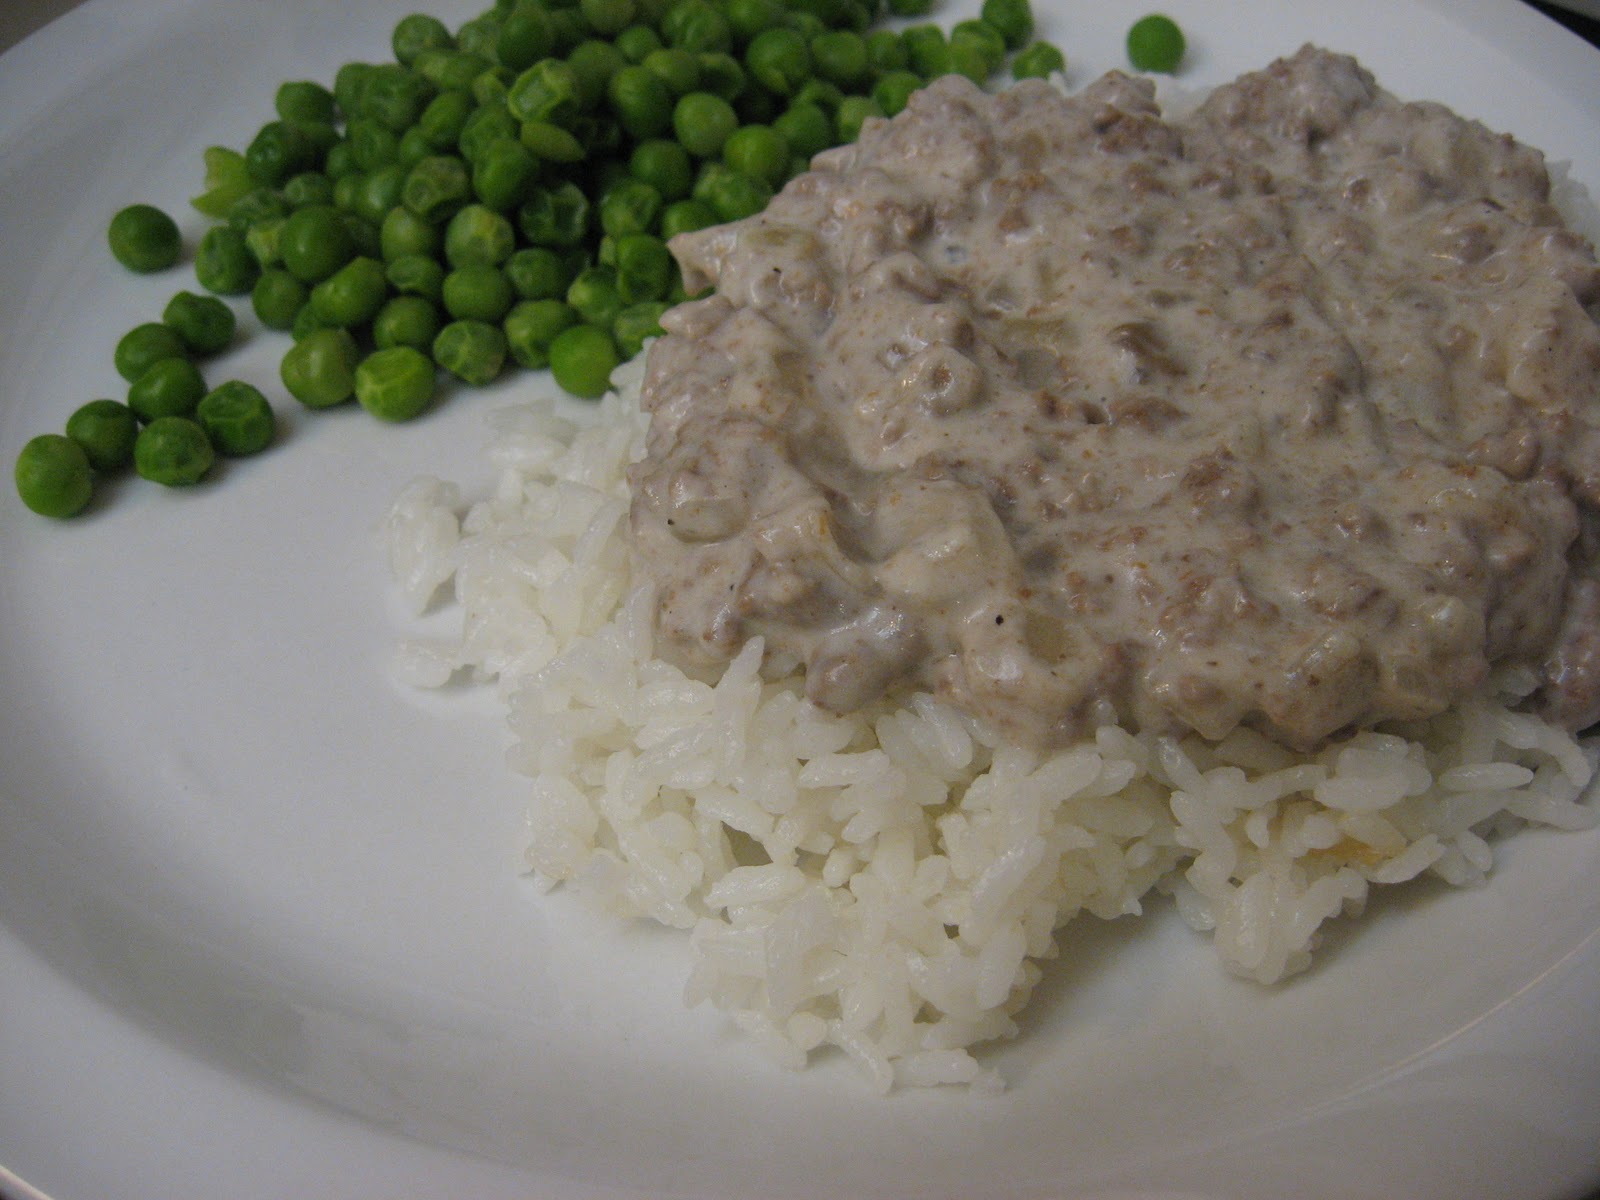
595,296
489,123
636,41
223,262
750,18
760,152
258,204
527,35
306,322
302,102
840,56
417,275
594,62
1013,19
1155,43
971,59
226,179
629,206
173,451
308,187
477,292
679,69
479,35
686,216
105,429
986,40
319,369
641,101
721,75
697,25
417,33
537,273
395,97
365,236
237,419
493,85
886,52
636,324
395,384
264,240
403,233
478,235
315,242
437,186
277,297
702,122
928,50
893,89
557,217
205,323
441,123
853,113
448,69
414,147
582,359
377,192
348,83
145,345
53,476
278,151
780,60
731,194
340,160
546,91
663,165
553,144
170,388
532,325
608,17
406,321
820,93
352,295
1039,60
911,8
504,174
473,351
644,266
806,127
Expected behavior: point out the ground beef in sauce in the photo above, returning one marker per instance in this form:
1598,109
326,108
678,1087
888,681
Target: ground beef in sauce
1284,413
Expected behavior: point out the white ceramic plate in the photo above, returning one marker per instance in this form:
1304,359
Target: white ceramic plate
261,928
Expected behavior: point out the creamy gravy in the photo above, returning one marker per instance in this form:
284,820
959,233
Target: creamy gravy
1284,413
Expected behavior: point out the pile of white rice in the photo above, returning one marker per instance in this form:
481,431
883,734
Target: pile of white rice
888,882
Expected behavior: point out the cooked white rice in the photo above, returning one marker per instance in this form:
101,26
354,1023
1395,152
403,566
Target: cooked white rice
888,882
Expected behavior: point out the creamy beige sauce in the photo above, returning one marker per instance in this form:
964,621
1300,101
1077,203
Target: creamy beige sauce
1285,413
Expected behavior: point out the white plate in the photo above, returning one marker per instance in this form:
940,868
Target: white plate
261,930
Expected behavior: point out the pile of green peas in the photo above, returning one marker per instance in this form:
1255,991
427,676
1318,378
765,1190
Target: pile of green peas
171,427
496,196
503,194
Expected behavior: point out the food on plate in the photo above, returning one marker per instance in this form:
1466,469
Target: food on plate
53,475
144,239
238,420
1282,414
1155,43
539,154
173,451
1198,504
105,429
